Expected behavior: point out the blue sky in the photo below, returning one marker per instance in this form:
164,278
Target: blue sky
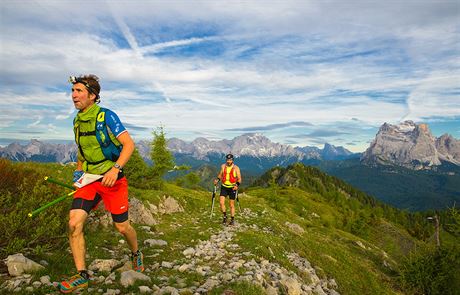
300,72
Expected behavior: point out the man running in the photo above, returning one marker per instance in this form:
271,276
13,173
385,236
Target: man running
104,147
230,176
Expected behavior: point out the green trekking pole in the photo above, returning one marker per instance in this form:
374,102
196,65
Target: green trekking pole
213,197
35,212
49,179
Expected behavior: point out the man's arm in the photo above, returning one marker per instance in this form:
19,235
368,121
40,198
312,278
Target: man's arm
238,178
128,147
238,175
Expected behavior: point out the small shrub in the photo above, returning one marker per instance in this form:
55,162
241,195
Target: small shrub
432,271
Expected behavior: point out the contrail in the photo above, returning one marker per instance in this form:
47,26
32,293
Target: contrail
125,31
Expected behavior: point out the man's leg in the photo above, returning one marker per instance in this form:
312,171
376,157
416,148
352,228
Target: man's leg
232,208
222,204
137,258
77,219
129,233
223,209
232,211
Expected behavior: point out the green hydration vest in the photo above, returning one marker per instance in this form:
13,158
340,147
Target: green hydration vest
98,148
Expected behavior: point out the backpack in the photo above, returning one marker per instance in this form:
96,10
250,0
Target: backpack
110,150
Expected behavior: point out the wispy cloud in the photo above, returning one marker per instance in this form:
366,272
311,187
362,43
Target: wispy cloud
201,68
271,127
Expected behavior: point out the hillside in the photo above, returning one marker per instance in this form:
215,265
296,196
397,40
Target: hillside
299,232
407,189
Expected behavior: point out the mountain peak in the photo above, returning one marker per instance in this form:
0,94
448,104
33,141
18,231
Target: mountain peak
412,146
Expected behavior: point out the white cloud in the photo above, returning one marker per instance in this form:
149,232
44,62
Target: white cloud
190,64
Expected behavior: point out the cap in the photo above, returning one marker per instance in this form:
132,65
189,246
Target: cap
229,156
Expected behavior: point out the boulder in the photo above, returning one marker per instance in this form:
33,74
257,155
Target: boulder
169,205
139,213
18,264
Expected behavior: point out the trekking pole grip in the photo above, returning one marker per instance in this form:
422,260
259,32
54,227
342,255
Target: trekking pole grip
49,179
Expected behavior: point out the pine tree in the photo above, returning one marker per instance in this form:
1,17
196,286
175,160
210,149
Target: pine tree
136,170
162,159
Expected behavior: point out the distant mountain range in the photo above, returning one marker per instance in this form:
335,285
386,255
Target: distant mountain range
201,149
38,151
405,165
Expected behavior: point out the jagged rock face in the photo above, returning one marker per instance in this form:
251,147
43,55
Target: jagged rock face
410,145
449,148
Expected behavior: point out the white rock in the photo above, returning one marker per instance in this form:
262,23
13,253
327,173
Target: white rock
18,264
45,280
128,278
145,289
291,286
295,228
139,214
227,277
169,290
271,291
103,265
153,242
170,205
36,284
319,291
166,264
184,267
189,251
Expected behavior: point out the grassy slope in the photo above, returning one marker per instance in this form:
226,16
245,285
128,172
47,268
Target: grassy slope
332,251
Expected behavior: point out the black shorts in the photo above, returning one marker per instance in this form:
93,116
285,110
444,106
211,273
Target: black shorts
88,205
228,191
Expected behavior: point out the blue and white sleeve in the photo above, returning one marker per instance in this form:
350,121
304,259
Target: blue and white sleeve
114,123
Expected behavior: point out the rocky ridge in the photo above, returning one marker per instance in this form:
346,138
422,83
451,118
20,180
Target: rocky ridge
412,146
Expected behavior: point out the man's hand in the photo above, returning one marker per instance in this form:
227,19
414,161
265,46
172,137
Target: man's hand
235,187
110,177
76,175
216,181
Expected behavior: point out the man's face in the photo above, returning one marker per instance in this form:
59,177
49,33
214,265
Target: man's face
229,162
81,97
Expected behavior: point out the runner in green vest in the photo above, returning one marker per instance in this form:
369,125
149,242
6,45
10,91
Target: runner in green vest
230,176
104,147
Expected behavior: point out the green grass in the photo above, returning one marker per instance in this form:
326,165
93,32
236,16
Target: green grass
328,242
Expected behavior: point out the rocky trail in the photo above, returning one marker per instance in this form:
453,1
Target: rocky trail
194,269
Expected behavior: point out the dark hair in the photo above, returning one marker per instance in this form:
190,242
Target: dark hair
91,83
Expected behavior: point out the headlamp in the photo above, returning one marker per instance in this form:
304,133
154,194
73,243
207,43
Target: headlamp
74,80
